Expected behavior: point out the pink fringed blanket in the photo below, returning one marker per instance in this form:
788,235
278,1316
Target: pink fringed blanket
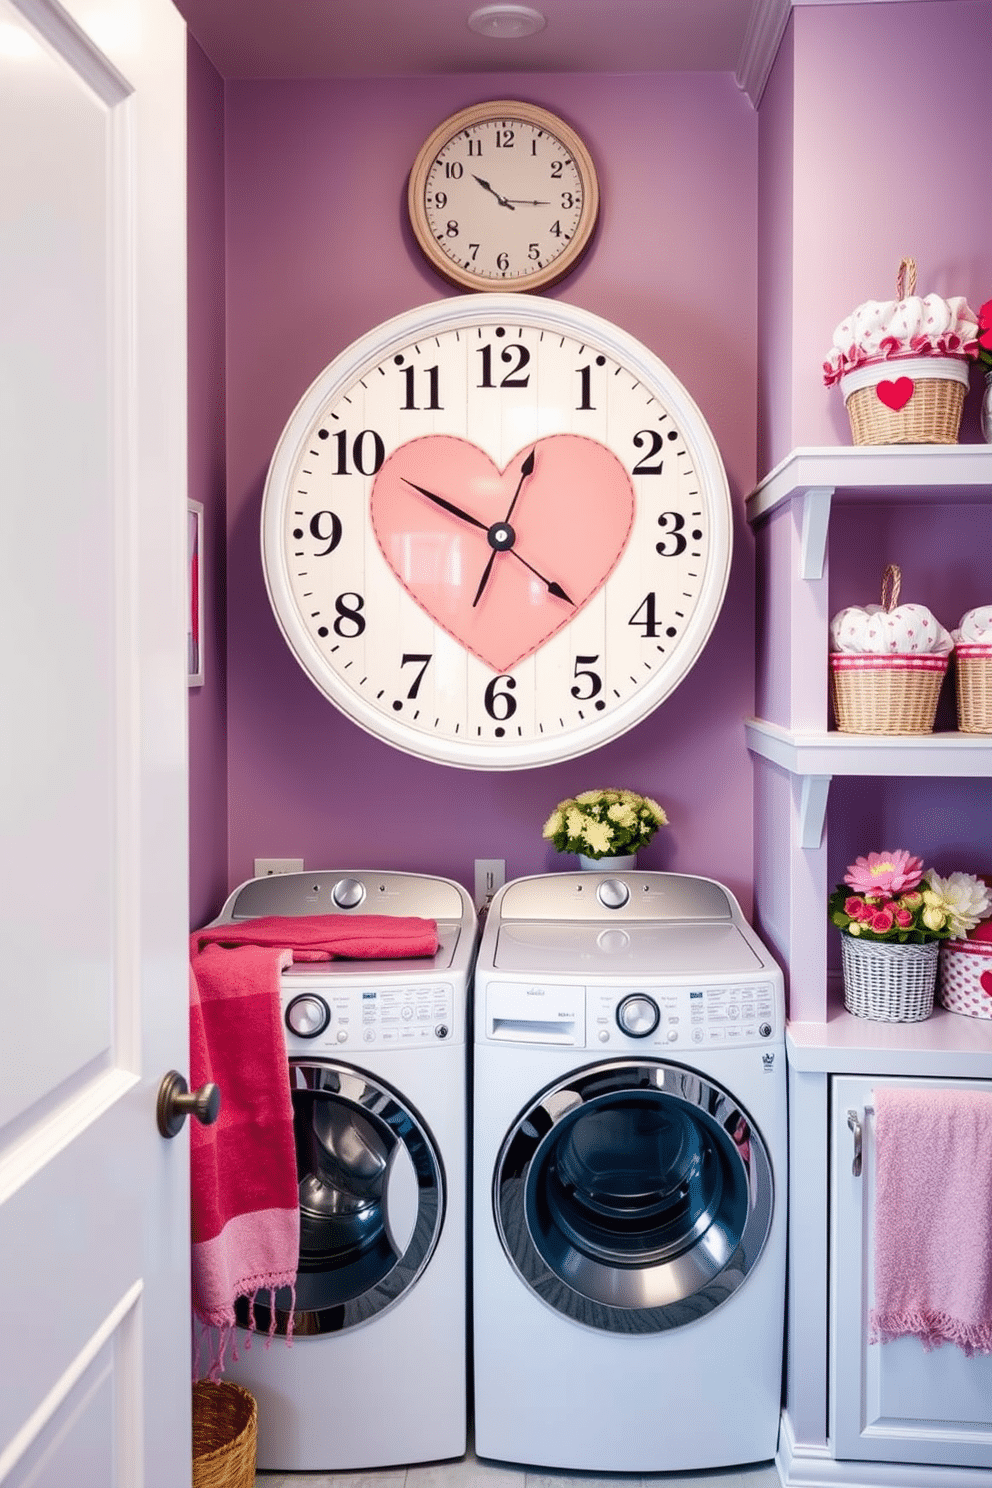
244,1198
933,1217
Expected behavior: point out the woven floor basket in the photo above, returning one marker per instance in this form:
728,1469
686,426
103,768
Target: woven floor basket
973,666
964,982
887,981
885,694
225,1431
932,415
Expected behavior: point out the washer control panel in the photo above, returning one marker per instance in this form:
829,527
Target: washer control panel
723,1014
647,1016
372,1017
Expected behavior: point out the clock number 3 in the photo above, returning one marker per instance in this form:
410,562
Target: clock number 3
675,542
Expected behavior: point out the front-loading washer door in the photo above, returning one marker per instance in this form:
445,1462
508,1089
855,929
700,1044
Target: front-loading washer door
371,1187
633,1196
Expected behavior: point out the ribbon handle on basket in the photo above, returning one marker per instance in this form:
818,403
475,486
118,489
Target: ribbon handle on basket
891,584
906,278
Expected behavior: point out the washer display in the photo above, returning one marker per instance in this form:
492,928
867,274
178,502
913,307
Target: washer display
630,1160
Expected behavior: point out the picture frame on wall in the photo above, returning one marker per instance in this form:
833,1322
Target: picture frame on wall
194,593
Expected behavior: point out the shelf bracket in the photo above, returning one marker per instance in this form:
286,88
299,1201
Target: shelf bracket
813,534
813,793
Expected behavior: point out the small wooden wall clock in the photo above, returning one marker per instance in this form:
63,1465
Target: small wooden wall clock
496,531
502,196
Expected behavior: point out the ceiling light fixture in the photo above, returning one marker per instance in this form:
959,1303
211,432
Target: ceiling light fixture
506,21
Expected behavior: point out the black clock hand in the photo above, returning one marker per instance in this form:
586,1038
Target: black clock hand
501,199
551,585
518,201
501,534
455,511
526,469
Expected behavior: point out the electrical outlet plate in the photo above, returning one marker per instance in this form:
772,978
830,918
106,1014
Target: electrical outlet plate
267,867
490,875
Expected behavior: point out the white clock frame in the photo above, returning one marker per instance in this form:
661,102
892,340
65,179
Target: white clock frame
700,469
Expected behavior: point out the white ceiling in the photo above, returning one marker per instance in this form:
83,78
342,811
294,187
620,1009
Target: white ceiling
390,38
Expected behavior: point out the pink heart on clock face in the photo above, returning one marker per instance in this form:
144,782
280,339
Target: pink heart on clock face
569,505
895,395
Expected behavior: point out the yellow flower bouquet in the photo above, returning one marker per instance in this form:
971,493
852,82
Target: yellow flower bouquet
604,823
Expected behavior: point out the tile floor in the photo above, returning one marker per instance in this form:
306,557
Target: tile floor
471,1472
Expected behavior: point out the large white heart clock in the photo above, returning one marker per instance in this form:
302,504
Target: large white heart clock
496,531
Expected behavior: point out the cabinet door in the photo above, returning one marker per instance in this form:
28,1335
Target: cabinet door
890,1402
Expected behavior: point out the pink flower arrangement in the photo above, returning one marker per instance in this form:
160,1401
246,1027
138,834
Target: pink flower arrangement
889,896
884,873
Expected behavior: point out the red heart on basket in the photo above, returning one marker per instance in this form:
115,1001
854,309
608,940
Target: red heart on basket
985,982
896,395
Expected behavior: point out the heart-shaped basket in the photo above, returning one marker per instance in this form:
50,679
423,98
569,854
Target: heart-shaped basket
906,399
886,694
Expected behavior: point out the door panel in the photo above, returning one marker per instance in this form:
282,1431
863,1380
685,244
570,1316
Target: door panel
93,1203
891,1402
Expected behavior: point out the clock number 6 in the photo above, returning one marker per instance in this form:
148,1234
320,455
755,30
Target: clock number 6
496,701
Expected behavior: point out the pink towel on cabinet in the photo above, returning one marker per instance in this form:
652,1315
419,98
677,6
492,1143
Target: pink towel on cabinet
244,1194
933,1217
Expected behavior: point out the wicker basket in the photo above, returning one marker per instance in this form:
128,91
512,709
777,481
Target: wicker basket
887,981
225,1430
965,977
974,688
924,395
886,693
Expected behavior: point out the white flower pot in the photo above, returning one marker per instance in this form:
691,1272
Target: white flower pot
608,865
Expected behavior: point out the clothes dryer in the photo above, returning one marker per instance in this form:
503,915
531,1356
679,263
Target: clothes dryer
375,1373
629,1177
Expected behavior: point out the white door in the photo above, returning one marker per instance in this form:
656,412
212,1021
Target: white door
891,1402
94,1237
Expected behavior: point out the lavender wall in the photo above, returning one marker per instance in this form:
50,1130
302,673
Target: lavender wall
317,253
207,479
886,157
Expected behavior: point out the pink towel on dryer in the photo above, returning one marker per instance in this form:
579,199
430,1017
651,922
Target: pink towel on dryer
244,1194
933,1217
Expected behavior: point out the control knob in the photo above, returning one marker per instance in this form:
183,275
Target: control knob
638,1015
613,893
348,893
307,1015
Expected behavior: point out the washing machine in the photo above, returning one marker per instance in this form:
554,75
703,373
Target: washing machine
375,1372
629,1150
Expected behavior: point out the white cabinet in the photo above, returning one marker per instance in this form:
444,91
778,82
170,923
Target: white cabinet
890,1402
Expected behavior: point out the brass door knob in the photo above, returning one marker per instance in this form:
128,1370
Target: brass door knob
176,1102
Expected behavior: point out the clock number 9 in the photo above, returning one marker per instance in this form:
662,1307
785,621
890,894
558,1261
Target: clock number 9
595,680
501,700
331,538
675,542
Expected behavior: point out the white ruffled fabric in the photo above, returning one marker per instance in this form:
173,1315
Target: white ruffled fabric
975,627
908,630
879,330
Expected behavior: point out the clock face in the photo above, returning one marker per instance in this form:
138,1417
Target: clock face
502,196
496,531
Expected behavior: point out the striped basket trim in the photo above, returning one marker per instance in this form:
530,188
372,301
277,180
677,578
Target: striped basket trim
971,651
843,661
969,947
